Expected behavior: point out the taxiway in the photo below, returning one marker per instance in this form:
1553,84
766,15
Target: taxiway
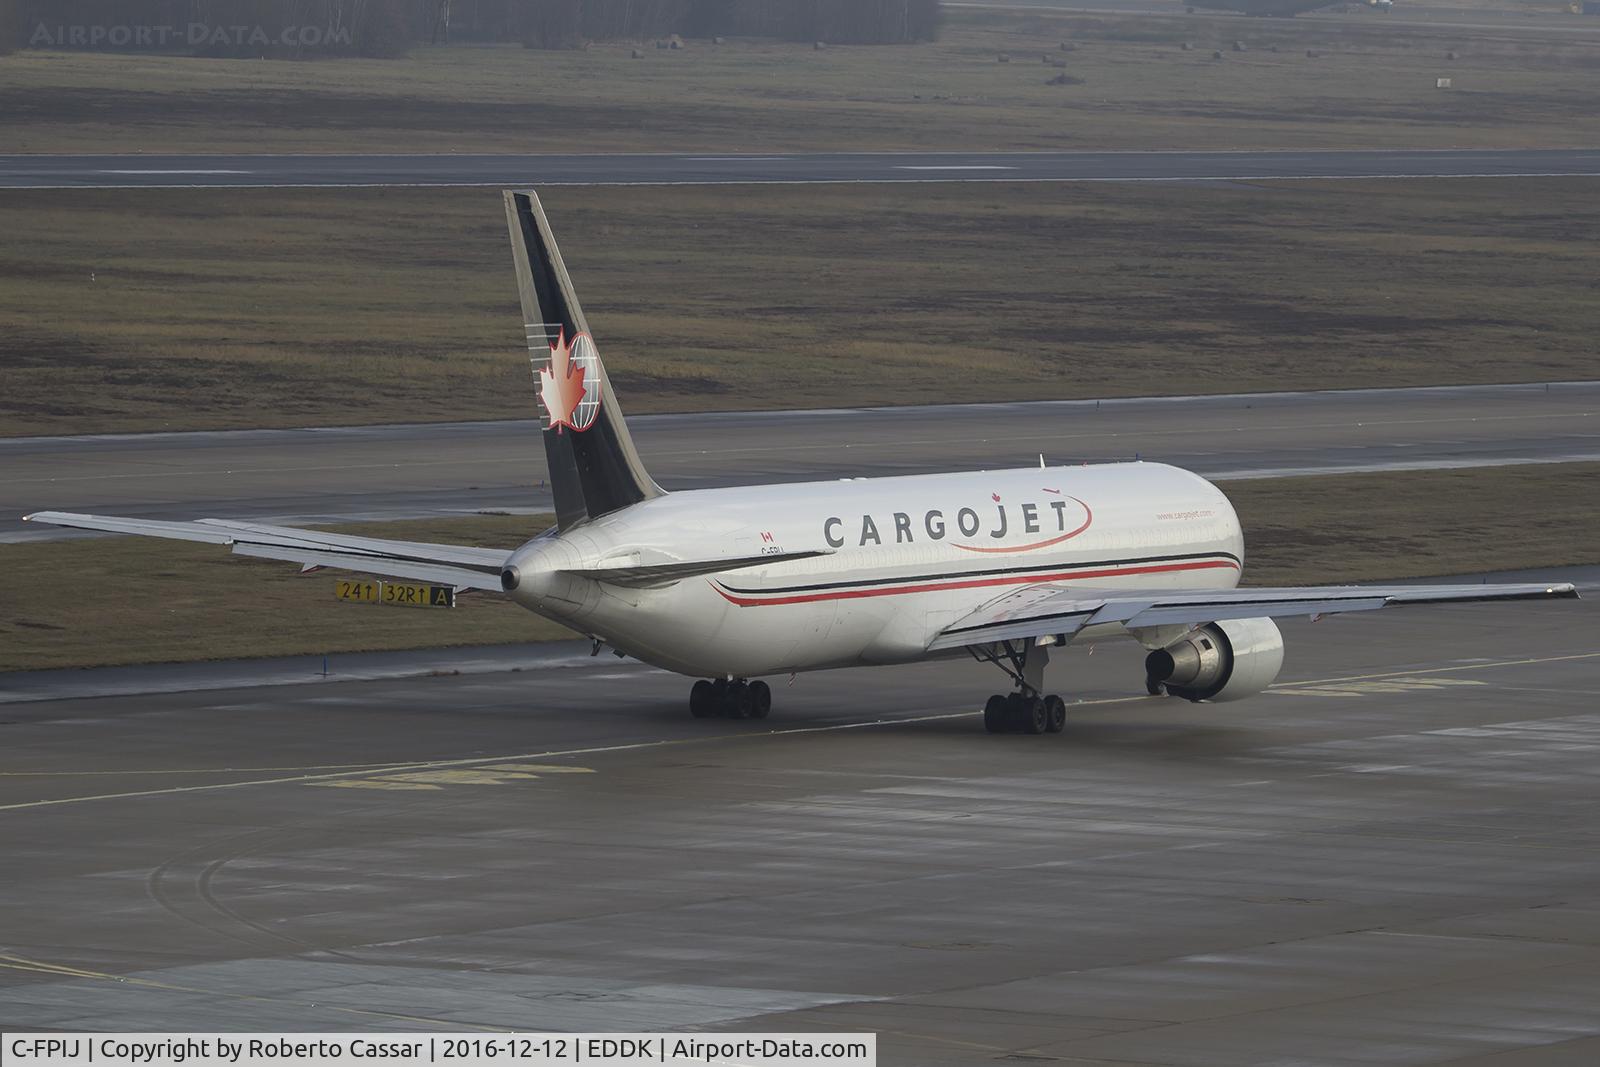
1390,858
318,169
386,472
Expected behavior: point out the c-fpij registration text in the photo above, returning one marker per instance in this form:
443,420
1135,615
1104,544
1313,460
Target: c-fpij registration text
456,1050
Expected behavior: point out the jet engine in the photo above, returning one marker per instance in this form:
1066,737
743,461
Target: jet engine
1227,660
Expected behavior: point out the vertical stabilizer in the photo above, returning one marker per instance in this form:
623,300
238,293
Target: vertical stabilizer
594,468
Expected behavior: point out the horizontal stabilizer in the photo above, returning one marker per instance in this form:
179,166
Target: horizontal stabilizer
650,574
462,566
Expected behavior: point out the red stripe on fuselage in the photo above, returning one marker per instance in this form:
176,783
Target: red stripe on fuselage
971,583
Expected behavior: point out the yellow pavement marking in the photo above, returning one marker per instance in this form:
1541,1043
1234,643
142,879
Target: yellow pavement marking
19,963
492,774
1395,685
401,768
1442,670
392,768
197,770
376,783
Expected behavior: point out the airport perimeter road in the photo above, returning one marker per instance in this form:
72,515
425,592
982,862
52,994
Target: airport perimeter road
137,171
386,472
1391,858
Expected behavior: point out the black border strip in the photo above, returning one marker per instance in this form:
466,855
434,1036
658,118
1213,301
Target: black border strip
989,573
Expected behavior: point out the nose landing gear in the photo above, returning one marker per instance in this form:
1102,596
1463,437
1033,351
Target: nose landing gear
730,698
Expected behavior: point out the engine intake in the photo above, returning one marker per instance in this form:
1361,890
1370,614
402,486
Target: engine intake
1227,660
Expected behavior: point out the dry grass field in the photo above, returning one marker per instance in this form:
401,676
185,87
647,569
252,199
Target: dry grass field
1369,84
135,600
166,309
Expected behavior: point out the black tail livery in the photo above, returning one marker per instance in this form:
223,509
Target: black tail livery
594,468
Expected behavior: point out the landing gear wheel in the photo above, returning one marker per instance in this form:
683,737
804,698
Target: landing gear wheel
760,700
1154,687
703,699
1034,718
736,702
994,714
1055,714
1013,712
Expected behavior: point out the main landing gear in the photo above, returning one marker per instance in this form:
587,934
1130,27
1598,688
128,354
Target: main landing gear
1028,710
725,698
1017,713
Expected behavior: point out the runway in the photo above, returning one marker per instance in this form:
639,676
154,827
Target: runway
1391,858
387,472
247,171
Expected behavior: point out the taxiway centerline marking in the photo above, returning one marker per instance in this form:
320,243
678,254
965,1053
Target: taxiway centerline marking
1097,435
885,179
401,768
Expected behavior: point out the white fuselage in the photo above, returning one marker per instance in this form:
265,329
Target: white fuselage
909,556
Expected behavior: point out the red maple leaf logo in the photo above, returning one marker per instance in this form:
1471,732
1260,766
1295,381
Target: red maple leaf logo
562,385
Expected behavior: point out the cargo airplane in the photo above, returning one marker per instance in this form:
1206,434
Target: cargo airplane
732,584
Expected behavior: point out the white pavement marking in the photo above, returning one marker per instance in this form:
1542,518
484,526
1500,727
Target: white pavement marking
478,761
883,179
401,768
1049,436
175,172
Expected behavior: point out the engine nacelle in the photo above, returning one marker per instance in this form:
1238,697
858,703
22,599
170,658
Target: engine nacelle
1227,660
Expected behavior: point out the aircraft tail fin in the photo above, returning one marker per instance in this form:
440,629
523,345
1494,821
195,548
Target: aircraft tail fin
594,468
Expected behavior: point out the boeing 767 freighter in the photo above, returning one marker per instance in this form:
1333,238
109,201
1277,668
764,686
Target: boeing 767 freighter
728,585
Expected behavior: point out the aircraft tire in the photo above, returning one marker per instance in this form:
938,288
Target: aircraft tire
736,701
1034,718
1016,713
1153,687
1056,713
994,714
760,700
703,699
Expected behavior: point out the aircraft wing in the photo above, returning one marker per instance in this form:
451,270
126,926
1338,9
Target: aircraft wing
1041,611
457,565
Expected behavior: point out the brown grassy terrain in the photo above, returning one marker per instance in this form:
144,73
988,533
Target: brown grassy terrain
1365,527
1371,84
140,310
135,600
